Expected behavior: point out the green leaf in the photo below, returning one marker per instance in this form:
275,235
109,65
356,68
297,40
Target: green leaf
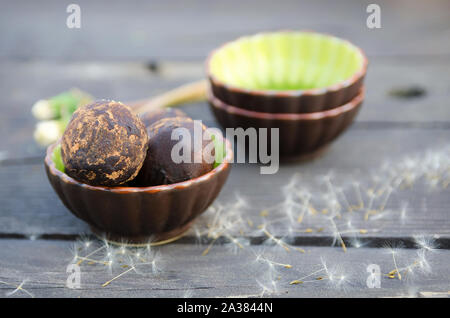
220,150
57,159
64,104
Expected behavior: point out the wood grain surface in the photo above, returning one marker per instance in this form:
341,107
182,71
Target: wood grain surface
132,50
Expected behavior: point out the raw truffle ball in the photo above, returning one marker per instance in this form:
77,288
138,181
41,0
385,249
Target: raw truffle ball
159,168
151,117
104,144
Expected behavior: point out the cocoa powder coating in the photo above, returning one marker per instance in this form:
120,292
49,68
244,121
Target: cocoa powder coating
159,168
104,144
152,117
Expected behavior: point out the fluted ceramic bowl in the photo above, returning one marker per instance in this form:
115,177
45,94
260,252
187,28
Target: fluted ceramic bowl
137,215
287,72
301,136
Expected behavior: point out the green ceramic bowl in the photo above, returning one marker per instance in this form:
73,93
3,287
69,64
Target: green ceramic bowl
287,72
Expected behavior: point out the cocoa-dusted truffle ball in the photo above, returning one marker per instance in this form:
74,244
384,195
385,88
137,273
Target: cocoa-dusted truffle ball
160,168
151,117
104,144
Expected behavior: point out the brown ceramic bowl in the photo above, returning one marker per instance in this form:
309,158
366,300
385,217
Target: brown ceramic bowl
287,72
136,215
301,136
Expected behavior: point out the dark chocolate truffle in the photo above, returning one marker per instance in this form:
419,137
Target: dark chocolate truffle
159,167
104,144
152,117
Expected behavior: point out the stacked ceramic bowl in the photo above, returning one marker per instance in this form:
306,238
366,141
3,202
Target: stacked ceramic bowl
308,85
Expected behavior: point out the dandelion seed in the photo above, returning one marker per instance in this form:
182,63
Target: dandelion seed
403,212
227,221
337,235
296,282
122,250
265,289
422,261
206,251
261,258
234,241
300,217
302,279
33,237
408,180
355,242
386,198
155,268
327,180
356,187
312,210
371,199
335,208
270,285
85,242
17,288
291,185
393,252
433,181
380,192
92,253
276,240
117,277
344,197
368,214
426,242
445,183
376,215
335,277
91,261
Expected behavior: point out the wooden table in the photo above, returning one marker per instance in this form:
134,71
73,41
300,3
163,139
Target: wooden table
132,50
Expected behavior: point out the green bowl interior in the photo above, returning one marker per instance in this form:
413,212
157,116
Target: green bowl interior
285,61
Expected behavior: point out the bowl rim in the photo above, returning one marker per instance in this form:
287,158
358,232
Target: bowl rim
224,165
360,73
357,100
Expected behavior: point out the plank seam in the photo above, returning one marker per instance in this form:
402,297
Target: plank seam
300,241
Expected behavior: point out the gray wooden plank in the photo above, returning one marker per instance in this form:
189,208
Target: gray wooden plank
25,86
221,273
159,29
387,128
29,206
130,81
